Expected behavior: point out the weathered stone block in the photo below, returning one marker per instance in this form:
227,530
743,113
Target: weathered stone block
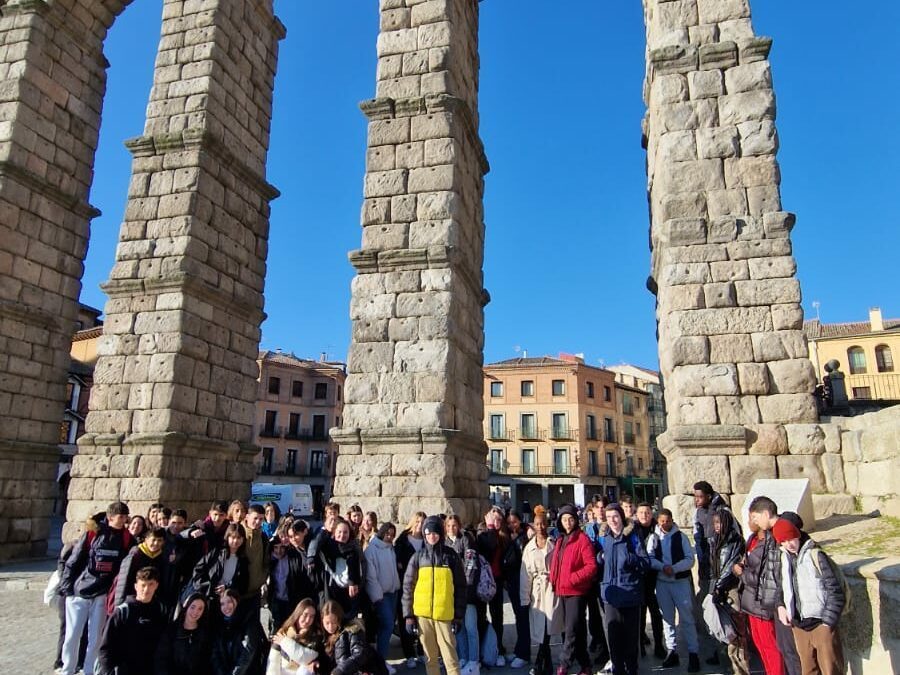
719,294
727,202
685,273
779,345
772,267
716,11
685,471
721,321
731,270
717,142
753,378
669,89
684,231
792,376
787,408
689,296
778,223
748,77
747,468
420,356
767,439
730,348
705,84
833,469
694,410
750,106
767,292
803,466
363,466
687,351
706,380
758,138
682,508
805,439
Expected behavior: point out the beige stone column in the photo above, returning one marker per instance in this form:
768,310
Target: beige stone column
412,429
732,352
52,81
175,385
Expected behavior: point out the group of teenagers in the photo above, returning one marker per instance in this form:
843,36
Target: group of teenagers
161,595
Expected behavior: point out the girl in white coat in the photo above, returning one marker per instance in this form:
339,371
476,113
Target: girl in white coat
536,592
297,644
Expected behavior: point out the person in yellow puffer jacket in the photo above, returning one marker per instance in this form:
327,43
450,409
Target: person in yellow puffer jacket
434,598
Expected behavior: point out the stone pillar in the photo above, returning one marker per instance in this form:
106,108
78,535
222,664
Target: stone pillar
175,386
52,82
412,429
732,351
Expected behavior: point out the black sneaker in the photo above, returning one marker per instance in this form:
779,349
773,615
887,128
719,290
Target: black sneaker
660,652
714,659
672,660
693,663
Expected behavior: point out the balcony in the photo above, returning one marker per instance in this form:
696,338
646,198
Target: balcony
563,434
506,469
529,434
884,387
266,431
298,434
628,439
592,435
495,434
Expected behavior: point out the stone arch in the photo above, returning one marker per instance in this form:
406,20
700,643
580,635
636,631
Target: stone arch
189,269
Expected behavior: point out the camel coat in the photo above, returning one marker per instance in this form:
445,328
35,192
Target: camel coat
535,591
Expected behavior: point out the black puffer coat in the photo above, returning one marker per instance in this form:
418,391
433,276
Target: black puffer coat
727,549
208,574
240,646
353,654
184,652
761,580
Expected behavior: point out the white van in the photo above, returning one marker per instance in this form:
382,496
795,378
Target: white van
295,498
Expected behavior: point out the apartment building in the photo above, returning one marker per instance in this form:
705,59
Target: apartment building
299,400
559,430
650,381
865,350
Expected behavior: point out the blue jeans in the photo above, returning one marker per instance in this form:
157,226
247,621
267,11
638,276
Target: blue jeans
467,638
384,614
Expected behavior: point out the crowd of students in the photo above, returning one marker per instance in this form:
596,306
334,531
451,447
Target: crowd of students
160,595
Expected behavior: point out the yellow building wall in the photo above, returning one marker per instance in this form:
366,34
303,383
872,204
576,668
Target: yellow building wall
880,384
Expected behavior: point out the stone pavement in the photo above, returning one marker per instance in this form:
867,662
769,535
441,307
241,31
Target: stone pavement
28,641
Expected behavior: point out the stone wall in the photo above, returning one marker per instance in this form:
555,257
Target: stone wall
172,406
870,450
870,630
52,79
412,428
732,353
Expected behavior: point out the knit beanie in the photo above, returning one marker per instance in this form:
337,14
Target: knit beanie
433,524
568,509
792,517
784,531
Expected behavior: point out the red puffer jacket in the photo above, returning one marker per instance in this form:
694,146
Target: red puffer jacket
572,565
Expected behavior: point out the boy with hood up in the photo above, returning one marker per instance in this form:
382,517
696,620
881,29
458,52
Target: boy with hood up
812,602
434,598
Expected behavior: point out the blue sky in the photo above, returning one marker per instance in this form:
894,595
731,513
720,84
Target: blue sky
565,206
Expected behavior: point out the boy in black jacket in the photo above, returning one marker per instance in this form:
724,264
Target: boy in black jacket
132,633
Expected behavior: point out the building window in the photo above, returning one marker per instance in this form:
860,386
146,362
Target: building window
527,387
560,461
498,426
884,360
269,428
637,429
496,389
560,425
591,428
857,359
528,464
318,430
640,463
558,387
339,393
497,460
609,430
316,462
627,406
297,389
321,392
294,425
527,426
593,467
629,433
275,385
590,389
610,464
862,392
607,394
267,458
637,403
290,465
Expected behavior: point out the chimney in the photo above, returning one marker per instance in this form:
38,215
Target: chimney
876,323
323,357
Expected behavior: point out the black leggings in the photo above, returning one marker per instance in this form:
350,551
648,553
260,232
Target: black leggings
575,642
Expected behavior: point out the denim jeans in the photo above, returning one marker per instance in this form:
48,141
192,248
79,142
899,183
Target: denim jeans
384,614
467,638
81,612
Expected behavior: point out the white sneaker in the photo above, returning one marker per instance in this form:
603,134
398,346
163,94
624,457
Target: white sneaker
501,662
411,663
391,670
608,668
518,663
463,664
473,668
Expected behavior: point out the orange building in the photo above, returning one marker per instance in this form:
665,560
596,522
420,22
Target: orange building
559,430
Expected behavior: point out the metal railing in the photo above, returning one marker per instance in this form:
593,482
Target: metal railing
266,431
884,386
563,434
495,434
507,469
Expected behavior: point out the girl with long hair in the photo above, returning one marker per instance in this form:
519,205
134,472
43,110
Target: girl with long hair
346,646
297,646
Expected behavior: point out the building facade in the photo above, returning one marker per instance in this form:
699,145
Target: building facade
299,400
865,351
559,430
651,382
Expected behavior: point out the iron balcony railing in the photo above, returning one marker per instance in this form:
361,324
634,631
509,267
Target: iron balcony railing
884,387
495,434
266,431
506,469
